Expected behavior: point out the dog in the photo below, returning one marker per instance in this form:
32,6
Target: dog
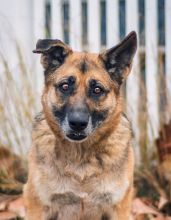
81,161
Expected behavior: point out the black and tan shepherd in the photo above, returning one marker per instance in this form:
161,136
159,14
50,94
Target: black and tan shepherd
81,160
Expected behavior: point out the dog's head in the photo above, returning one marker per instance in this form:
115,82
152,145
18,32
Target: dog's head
82,89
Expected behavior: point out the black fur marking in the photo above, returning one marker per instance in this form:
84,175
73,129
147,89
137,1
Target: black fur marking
54,217
68,198
103,198
59,114
93,83
105,217
83,66
98,117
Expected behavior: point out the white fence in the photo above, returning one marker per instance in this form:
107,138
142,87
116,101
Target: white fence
80,22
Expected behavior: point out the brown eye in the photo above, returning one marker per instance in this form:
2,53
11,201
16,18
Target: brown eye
65,86
97,90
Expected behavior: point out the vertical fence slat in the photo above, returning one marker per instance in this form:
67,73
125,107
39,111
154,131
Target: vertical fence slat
168,51
57,19
39,32
75,24
151,68
94,25
39,19
112,16
132,83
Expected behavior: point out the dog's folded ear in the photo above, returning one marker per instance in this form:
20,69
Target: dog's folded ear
118,59
53,52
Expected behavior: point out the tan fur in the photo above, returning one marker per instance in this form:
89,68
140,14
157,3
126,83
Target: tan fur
91,180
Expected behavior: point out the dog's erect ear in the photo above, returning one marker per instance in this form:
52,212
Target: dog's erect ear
53,52
118,59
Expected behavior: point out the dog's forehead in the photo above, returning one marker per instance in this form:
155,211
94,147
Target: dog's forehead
82,65
83,61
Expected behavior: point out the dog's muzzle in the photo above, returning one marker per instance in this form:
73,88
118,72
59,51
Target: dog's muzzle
78,121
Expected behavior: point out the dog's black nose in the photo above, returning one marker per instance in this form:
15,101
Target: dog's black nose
78,120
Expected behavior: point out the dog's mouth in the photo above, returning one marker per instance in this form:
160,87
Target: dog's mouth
76,136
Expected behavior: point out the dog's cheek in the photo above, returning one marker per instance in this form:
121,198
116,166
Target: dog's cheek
98,117
59,113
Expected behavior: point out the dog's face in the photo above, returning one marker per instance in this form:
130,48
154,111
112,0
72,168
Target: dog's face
82,89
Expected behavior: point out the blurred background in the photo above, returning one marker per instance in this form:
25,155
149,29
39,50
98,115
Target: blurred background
91,25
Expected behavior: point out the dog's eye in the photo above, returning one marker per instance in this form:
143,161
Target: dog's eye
64,87
97,90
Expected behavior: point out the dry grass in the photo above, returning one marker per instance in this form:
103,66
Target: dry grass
17,104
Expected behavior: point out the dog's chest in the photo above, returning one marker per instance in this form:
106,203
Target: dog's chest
86,184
